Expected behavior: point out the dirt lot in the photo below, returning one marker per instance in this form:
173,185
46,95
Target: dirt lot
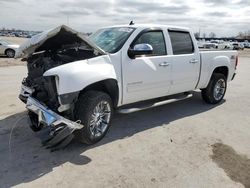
183,144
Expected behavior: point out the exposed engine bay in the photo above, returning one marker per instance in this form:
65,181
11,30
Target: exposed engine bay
42,52
61,48
37,64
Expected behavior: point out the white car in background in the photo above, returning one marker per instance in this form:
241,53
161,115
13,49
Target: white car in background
238,46
246,44
221,45
209,45
7,48
217,44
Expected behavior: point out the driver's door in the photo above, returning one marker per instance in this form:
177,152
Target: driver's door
147,76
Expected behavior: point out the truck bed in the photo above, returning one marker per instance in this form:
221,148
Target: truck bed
210,59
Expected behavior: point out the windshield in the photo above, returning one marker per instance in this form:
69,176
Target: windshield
111,39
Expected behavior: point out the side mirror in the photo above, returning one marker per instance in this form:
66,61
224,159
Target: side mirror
140,49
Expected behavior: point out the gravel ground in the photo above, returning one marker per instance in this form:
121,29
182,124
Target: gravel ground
183,144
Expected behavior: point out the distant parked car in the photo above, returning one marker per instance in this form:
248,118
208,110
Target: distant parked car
238,46
7,48
228,46
209,45
246,44
241,46
221,45
200,44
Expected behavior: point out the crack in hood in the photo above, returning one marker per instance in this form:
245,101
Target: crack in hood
54,39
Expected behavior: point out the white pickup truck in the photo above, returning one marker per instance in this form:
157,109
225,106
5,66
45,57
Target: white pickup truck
75,84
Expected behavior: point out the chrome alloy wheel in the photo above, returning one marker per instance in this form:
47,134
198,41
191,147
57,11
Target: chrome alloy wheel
100,118
219,89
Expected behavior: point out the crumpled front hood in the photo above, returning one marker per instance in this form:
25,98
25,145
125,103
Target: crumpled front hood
54,39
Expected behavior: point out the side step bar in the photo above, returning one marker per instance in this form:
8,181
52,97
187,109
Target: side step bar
150,104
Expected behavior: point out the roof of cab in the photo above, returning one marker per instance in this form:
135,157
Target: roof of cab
144,26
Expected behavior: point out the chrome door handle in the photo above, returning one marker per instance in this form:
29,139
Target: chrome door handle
164,64
193,61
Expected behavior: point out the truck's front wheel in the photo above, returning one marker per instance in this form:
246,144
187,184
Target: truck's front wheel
94,109
215,90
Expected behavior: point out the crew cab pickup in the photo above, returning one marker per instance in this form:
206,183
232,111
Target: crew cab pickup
74,84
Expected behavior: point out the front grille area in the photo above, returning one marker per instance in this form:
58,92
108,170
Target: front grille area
45,91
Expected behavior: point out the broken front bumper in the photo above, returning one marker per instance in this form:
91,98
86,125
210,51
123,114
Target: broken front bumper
60,128
25,93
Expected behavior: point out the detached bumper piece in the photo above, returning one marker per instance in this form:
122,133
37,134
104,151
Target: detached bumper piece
58,129
25,93
233,76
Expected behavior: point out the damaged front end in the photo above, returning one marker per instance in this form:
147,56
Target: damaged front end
47,109
59,129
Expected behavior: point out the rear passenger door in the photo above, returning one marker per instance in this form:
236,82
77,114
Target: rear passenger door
185,61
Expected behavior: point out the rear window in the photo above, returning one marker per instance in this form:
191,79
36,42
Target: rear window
181,42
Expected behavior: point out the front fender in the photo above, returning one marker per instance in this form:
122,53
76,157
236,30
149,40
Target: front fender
75,76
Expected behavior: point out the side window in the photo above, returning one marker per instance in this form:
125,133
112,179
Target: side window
155,39
181,42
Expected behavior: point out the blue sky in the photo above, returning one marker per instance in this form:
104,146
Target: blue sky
224,17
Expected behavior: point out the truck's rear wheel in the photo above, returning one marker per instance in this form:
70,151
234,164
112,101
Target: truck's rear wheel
94,109
215,90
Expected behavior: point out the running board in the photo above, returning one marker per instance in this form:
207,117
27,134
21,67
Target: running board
147,105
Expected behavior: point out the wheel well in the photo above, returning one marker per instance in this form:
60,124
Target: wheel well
223,70
108,86
7,50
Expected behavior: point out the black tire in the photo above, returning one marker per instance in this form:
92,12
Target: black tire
84,109
10,53
208,93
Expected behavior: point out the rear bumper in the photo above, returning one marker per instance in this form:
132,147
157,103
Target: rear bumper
60,128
